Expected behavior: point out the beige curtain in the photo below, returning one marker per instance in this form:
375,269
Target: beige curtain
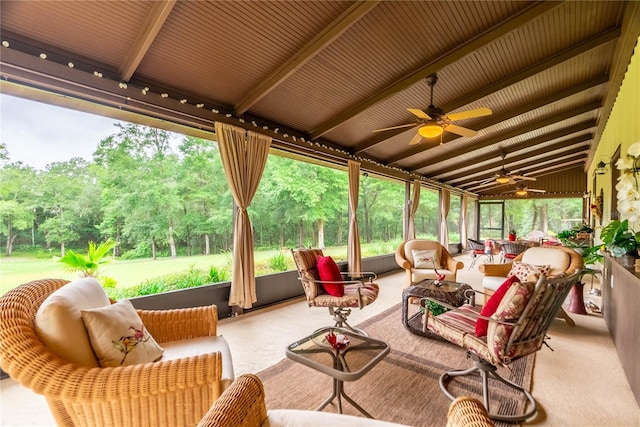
445,200
244,155
354,256
413,208
463,222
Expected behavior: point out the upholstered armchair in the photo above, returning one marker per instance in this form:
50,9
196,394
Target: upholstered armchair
176,389
243,405
341,293
562,261
418,258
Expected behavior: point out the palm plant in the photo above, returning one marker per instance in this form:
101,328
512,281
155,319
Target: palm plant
88,264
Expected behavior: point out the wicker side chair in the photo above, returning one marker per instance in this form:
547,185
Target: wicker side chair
163,393
243,405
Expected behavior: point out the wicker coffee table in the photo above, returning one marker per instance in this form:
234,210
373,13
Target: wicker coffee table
452,293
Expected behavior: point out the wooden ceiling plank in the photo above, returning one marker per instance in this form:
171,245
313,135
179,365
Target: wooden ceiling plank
513,133
308,52
148,31
510,80
505,27
576,143
492,120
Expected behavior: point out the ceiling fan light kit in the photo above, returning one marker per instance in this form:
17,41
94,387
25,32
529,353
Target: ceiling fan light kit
503,179
431,130
521,192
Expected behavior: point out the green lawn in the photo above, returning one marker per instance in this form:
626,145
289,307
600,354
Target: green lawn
16,271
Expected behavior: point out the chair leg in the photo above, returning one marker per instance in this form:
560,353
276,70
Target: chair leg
485,369
563,315
340,317
473,261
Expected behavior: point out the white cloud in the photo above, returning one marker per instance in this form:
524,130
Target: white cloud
39,134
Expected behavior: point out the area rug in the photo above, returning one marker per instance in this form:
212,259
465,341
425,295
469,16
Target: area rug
403,387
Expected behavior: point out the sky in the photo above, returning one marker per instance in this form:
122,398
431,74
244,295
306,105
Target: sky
39,134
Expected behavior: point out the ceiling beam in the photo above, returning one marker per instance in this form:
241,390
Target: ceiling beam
510,80
503,28
541,166
334,30
148,31
573,145
511,113
557,118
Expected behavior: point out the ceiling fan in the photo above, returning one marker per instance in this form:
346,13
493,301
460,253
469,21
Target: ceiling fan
433,120
504,177
523,191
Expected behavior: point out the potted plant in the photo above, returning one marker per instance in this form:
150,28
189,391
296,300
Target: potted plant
619,239
512,235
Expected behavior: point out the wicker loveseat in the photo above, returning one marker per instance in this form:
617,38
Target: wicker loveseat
243,405
176,390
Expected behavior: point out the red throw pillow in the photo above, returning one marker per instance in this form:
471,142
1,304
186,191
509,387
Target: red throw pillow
482,325
329,272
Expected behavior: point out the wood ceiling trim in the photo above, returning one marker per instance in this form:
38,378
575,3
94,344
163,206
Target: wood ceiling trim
308,52
621,58
513,133
577,143
148,31
510,80
505,27
495,119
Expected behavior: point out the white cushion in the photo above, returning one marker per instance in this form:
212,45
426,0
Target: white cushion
301,418
558,260
118,336
58,321
492,282
174,350
418,274
420,245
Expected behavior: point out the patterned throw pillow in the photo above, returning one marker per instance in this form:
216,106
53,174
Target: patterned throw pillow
523,271
482,325
426,259
118,337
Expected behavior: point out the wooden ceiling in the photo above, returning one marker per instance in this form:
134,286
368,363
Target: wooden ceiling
321,76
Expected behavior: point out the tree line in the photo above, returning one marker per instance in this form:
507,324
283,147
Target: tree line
154,196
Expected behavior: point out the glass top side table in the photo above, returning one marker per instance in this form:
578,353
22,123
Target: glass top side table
347,364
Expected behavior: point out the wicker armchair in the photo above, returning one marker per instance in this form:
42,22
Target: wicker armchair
243,405
449,266
163,393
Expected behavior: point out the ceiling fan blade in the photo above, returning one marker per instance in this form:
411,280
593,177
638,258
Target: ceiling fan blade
419,113
396,127
417,139
460,130
533,190
523,178
478,112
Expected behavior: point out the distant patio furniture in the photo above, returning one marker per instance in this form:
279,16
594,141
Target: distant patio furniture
510,250
478,250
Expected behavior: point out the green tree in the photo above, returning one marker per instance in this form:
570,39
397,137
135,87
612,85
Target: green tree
16,211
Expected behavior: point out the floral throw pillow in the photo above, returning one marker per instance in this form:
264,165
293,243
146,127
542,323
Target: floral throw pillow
426,259
118,337
524,271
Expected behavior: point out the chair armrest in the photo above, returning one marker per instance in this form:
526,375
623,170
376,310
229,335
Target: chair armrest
362,276
180,324
401,260
467,411
500,270
241,405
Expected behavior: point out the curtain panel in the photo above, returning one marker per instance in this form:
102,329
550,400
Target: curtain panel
463,222
244,156
445,201
354,255
413,208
